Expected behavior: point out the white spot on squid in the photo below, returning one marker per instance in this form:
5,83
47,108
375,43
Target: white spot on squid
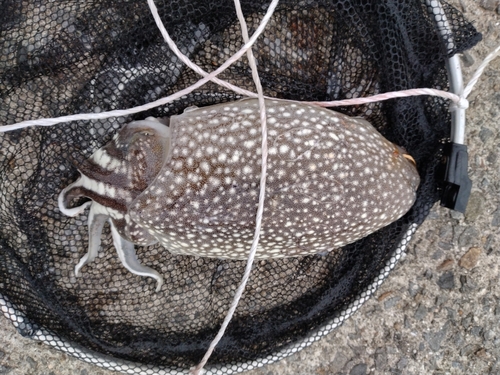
247,169
102,158
111,191
249,144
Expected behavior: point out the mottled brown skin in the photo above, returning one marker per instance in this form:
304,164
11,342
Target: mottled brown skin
331,180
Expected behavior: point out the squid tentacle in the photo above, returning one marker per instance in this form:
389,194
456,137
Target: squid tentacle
128,257
67,195
95,223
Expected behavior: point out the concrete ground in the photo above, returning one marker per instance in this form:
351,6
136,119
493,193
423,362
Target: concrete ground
439,310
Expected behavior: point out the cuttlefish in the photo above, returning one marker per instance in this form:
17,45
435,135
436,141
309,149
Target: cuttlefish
191,183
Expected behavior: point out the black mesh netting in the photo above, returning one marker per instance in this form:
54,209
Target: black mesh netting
69,57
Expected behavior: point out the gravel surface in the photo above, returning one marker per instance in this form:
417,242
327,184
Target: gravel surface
438,311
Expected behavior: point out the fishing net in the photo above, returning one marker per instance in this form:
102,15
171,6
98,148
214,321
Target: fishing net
61,58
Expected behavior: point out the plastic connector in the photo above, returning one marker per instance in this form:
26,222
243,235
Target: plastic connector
457,184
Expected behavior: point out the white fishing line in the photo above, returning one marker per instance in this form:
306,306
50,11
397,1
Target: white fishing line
262,194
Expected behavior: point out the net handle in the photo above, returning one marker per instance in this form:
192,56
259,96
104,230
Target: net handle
454,69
